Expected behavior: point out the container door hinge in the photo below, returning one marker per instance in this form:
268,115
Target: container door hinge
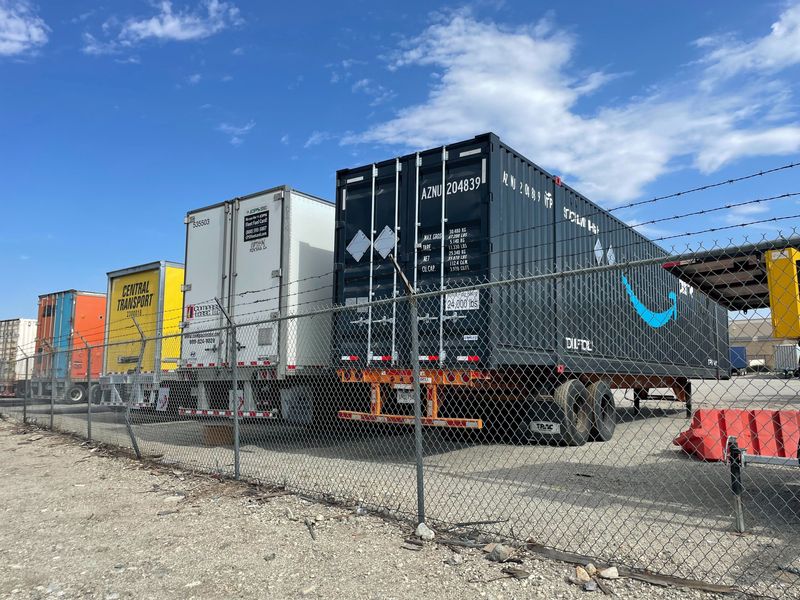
182,325
278,195
188,219
186,287
276,273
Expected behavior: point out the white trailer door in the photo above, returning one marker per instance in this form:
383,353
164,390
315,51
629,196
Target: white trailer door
207,234
257,243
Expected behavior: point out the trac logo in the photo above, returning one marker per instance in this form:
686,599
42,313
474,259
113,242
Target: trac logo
654,319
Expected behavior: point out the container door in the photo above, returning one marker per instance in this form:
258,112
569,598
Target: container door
256,284
382,328
206,279
62,332
451,200
355,227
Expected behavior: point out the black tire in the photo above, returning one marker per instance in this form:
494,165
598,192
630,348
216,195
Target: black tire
76,394
572,400
604,411
96,394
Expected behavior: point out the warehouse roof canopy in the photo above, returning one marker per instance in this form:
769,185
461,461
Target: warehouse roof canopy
735,277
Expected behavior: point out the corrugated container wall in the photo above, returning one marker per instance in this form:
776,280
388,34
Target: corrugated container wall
16,340
503,216
151,296
65,320
260,256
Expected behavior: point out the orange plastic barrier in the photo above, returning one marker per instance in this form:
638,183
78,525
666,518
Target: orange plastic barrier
761,432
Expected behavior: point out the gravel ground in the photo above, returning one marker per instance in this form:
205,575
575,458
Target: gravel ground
81,523
636,500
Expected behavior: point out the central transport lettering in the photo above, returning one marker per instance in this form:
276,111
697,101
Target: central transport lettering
135,296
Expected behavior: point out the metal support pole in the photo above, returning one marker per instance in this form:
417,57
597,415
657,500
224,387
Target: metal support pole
137,374
233,349
415,377
27,387
88,388
735,460
52,381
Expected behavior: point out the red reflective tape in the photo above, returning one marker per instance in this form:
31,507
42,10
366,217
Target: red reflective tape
291,367
240,363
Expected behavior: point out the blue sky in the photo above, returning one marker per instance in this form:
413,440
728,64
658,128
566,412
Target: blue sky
118,117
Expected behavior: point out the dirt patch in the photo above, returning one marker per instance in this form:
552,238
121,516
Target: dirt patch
83,521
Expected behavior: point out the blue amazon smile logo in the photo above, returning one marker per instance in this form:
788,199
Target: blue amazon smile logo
654,319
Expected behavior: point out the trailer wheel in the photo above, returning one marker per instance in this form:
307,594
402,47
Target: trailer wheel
76,394
572,399
604,411
96,394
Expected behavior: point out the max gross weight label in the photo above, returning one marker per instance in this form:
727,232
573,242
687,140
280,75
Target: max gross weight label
468,300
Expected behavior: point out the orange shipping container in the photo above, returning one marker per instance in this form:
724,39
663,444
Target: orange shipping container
65,320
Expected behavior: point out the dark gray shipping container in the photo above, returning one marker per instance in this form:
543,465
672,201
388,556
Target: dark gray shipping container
501,216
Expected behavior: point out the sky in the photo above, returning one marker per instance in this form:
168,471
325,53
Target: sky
117,118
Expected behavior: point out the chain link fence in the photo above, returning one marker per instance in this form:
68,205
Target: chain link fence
591,411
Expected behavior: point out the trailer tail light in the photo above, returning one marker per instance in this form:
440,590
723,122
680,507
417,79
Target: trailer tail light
560,369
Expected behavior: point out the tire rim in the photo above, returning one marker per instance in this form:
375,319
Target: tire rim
75,394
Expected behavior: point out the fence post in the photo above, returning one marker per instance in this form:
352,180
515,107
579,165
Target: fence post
52,380
88,388
735,461
27,387
137,376
233,354
418,452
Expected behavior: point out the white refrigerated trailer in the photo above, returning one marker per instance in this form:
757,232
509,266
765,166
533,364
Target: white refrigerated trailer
250,260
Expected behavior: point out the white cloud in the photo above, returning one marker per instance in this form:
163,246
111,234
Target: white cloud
129,60
775,51
342,70
377,92
519,82
285,139
95,47
168,24
316,138
237,51
236,132
194,78
738,215
22,31
182,25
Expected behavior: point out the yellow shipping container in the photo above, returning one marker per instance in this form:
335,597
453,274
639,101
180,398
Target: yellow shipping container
784,292
150,297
